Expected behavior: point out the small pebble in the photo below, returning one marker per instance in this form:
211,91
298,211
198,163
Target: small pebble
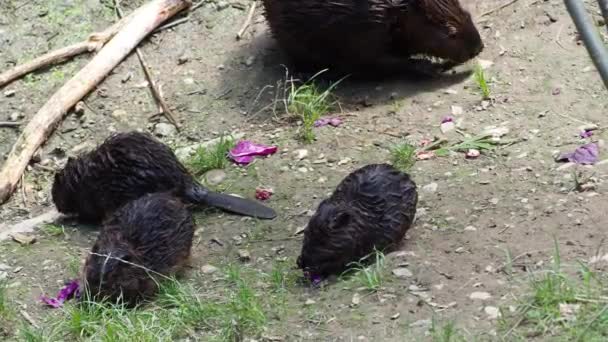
215,177
402,272
164,129
432,187
244,255
492,312
209,269
480,296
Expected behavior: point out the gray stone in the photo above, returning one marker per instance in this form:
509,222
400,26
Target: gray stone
164,129
402,272
215,177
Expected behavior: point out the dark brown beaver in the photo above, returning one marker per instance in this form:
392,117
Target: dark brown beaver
371,208
127,166
154,231
371,36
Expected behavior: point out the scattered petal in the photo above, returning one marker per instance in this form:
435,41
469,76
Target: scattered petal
586,134
447,119
447,127
70,290
586,155
334,122
425,155
263,194
472,153
425,142
245,151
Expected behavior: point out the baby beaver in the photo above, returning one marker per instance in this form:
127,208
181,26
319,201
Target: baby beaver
371,208
374,36
127,166
153,232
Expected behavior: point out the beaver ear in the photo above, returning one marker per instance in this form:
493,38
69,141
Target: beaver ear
452,31
340,219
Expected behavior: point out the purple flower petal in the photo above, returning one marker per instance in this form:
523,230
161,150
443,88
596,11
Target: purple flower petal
70,290
52,302
244,151
447,119
586,134
585,154
335,122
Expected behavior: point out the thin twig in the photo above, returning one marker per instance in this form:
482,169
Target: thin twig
198,4
498,8
155,92
172,24
247,21
23,194
107,256
29,319
10,124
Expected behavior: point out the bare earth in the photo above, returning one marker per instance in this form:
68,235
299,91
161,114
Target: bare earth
472,212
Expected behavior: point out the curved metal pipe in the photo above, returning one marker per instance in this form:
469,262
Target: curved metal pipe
589,35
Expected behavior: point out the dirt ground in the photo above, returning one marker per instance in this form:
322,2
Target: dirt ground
472,212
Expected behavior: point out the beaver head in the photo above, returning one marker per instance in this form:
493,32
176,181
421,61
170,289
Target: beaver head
436,28
330,241
111,272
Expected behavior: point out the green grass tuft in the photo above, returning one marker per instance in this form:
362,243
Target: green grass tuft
371,277
282,277
445,333
212,157
308,102
403,156
480,78
53,230
3,300
243,313
565,307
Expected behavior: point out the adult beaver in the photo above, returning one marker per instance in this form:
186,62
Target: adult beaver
373,36
127,166
141,243
372,208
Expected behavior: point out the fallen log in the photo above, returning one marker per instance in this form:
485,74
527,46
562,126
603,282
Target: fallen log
44,122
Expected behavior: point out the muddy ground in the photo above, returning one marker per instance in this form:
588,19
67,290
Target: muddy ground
472,212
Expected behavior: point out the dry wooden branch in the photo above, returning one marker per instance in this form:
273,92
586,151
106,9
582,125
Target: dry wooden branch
247,22
42,124
165,110
93,43
505,5
10,124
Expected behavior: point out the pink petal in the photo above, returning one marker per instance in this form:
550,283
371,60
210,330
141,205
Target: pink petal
70,290
335,122
263,194
424,155
473,153
586,155
447,119
244,151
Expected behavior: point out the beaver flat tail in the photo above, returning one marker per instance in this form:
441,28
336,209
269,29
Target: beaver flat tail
237,205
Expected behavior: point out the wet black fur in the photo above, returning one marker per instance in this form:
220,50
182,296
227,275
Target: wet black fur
373,207
368,38
154,231
125,167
